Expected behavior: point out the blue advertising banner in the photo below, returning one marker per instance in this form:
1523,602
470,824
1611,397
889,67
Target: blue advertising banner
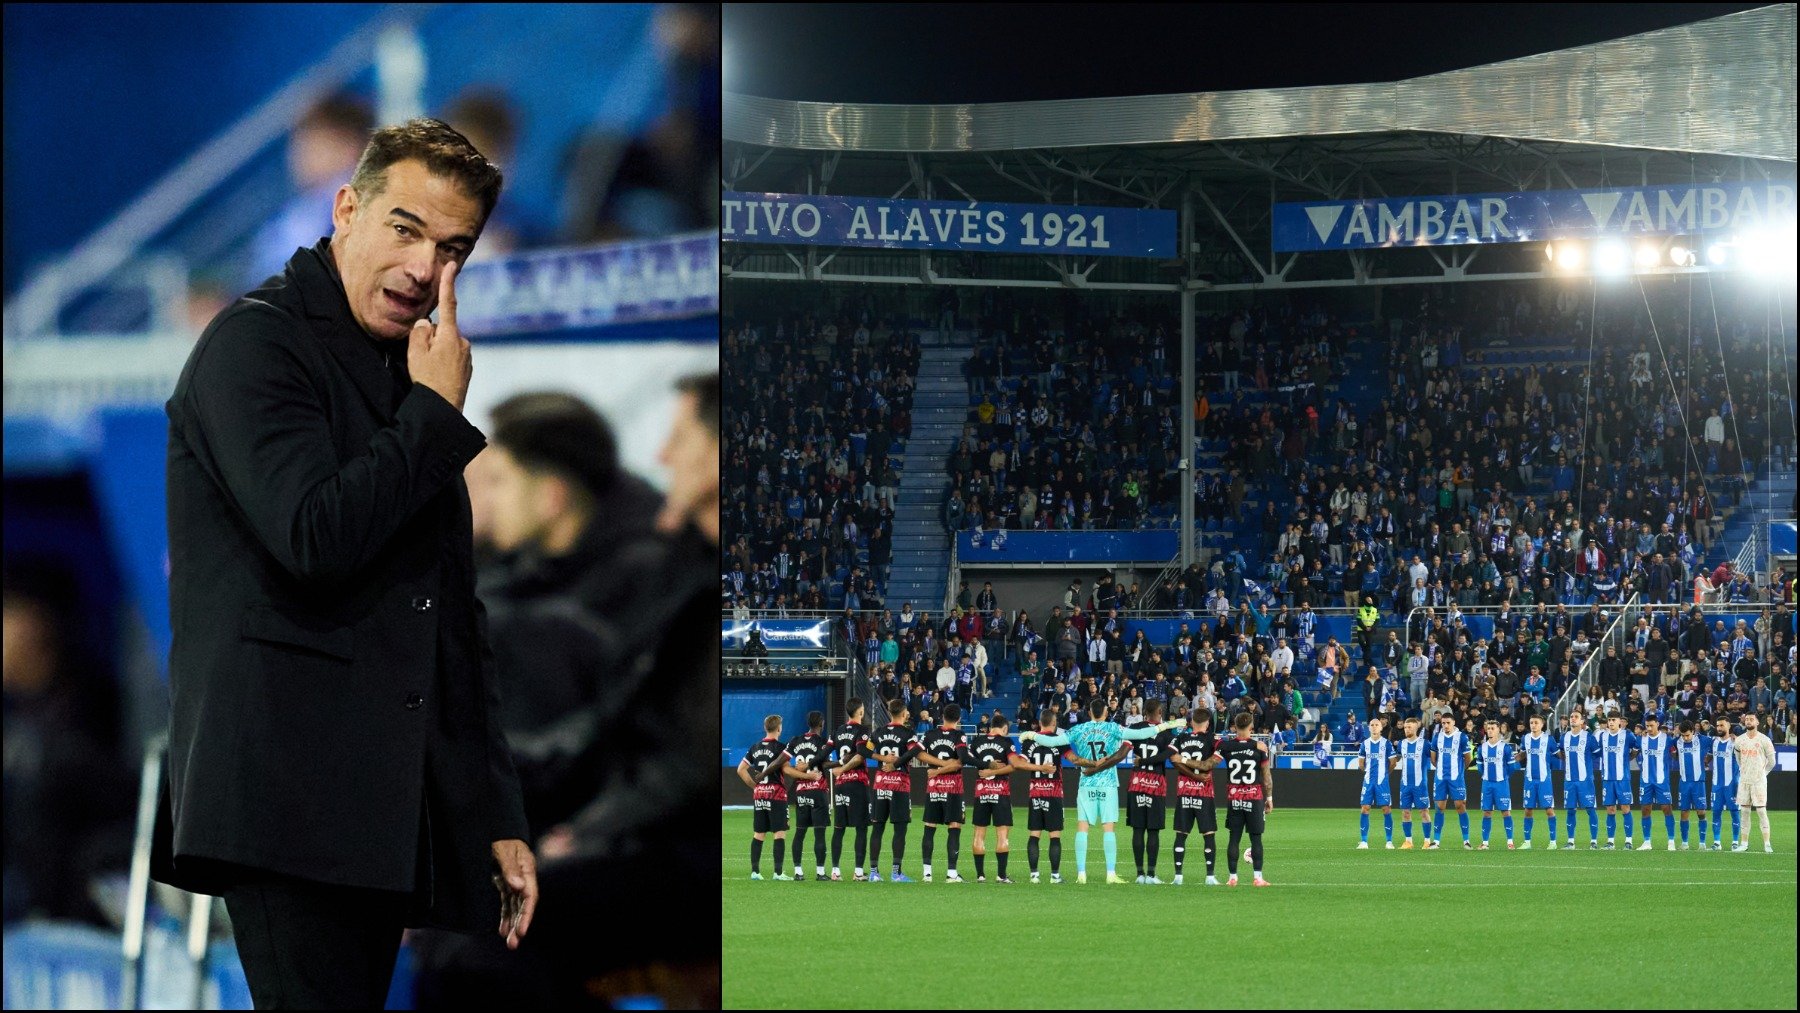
629,287
1532,217
895,224
974,548
1781,538
777,634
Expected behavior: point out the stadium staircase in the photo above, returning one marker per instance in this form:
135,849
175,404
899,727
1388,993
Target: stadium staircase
1770,496
921,559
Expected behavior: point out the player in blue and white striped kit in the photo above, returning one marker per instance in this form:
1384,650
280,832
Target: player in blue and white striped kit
1376,758
1690,760
1450,750
1497,765
1654,747
1415,791
1537,752
1616,746
1724,782
1580,756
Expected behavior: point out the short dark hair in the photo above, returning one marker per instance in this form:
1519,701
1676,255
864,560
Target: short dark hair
815,720
558,432
705,388
1243,721
445,152
951,713
853,706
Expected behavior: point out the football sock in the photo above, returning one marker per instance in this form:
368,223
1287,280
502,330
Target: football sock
1487,827
1734,824
1593,823
862,838
951,842
1081,850
755,855
1256,854
1552,827
1528,830
1668,826
1506,821
1463,819
819,848
1406,829
1109,842
799,844
1762,818
1150,847
780,852
1211,850
1684,831
1612,823
1365,828
1437,826
980,863
1231,852
1055,856
929,842
1180,852
1031,854
1571,819
837,846
1000,863
1387,826
1137,849
899,847
875,845
1644,821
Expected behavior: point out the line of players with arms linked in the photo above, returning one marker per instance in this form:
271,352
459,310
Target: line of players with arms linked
1672,772
857,778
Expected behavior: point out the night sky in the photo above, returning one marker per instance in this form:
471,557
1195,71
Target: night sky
930,53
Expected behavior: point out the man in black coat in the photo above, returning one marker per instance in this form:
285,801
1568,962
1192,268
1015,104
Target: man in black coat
336,766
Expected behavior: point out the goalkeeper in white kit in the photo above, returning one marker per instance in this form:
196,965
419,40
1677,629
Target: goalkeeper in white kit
1756,757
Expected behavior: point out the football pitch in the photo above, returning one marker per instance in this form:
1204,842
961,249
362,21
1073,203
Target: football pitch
1339,928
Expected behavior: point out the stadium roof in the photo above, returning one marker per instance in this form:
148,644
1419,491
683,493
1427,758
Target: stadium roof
1702,103
1724,86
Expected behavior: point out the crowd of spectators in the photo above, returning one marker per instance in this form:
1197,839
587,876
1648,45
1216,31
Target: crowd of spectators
1075,422
816,402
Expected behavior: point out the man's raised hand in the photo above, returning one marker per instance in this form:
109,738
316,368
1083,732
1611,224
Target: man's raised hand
438,355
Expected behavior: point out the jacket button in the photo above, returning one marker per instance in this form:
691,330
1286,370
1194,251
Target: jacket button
421,604
414,701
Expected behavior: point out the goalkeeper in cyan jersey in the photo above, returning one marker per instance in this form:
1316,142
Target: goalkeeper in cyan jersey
1098,745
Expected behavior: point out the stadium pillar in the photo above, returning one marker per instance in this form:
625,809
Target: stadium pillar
1187,456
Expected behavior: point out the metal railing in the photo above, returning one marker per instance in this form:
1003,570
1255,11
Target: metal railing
1615,636
1746,559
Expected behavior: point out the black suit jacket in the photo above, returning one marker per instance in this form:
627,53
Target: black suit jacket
335,706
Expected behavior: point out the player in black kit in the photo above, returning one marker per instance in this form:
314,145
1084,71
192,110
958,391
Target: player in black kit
944,786
893,747
1251,787
768,793
1193,751
993,754
1046,796
850,790
810,754
1149,786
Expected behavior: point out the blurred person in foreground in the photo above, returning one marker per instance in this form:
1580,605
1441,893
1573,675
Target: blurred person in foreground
577,583
650,825
68,798
336,769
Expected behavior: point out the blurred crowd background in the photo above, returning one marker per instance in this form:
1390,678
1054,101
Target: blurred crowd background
163,160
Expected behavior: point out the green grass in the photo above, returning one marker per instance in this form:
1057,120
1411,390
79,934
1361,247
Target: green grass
1340,928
